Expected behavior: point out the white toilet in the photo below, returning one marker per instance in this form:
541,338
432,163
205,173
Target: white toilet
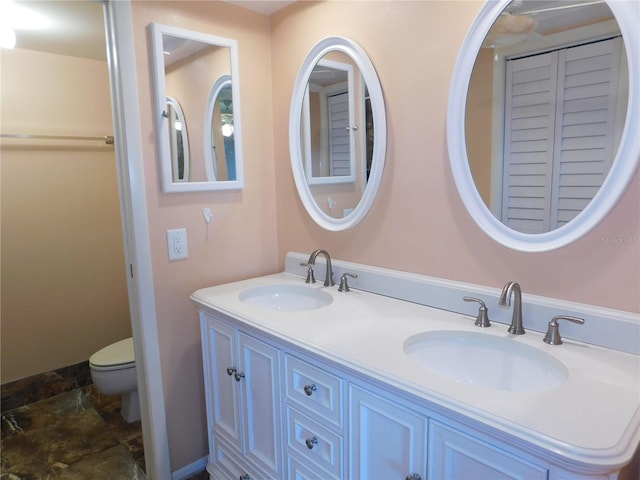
113,370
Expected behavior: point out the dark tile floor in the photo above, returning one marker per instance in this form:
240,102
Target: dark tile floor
73,435
53,428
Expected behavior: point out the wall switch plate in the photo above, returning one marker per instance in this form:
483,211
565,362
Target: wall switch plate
177,243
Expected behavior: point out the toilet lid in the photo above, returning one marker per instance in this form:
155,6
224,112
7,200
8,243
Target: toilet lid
118,353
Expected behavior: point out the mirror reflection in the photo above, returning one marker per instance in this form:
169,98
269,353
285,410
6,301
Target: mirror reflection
219,140
335,124
199,72
545,111
178,141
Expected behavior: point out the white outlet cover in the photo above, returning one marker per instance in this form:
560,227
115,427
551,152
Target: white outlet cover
177,244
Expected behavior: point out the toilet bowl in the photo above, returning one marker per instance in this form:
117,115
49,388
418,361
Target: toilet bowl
113,371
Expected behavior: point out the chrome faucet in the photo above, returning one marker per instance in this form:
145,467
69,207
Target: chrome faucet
328,279
512,289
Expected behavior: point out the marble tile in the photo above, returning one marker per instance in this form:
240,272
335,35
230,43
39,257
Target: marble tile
110,464
129,434
72,432
44,385
64,436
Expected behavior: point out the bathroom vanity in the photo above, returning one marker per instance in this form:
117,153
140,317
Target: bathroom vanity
304,381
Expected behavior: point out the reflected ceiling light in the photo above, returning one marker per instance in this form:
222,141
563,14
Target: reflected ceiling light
510,29
7,37
21,18
227,130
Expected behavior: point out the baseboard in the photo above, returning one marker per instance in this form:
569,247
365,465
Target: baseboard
189,470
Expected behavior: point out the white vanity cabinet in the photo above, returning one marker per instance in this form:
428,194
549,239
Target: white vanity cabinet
281,408
319,423
386,440
243,403
456,455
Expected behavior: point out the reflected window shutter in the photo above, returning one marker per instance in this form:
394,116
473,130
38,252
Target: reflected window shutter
339,155
528,142
560,113
584,149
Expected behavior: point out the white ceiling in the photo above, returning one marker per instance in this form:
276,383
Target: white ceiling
77,28
78,25
266,7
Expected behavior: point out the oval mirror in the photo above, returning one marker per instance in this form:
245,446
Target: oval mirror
178,141
542,119
337,133
193,67
219,138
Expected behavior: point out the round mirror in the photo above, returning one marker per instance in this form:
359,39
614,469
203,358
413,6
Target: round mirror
543,118
337,133
219,132
178,141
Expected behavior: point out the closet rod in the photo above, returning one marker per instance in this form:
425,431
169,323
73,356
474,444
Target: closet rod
108,139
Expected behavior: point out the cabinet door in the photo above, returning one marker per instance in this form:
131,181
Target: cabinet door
454,455
259,363
224,401
386,440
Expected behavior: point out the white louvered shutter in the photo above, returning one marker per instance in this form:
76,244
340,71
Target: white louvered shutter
560,112
339,154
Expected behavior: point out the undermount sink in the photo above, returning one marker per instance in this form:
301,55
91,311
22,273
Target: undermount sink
286,297
485,360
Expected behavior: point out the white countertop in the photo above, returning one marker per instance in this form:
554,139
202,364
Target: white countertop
590,421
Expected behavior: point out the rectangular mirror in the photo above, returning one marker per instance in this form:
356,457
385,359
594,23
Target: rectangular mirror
196,110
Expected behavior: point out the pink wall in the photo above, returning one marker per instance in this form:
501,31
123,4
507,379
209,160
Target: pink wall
417,224
241,240
64,292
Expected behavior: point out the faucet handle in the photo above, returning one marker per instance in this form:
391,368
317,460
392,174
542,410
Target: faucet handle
311,278
553,332
344,286
482,319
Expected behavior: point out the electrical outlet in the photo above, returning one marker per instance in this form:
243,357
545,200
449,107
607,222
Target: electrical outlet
177,243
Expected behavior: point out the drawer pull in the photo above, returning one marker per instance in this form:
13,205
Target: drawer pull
231,371
309,389
413,476
311,442
238,376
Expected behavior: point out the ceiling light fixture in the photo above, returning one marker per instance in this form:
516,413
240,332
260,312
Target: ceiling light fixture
7,37
21,18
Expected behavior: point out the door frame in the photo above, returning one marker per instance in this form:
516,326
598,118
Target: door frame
133,207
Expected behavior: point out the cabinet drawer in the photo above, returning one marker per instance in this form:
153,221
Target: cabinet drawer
313,390
314,444
300,470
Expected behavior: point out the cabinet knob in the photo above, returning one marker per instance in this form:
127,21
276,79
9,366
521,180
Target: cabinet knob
245,477
309,389
413,476
231,371
238,376
311,442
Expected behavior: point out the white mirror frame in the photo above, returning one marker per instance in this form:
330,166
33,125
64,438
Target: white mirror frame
622,170
168,185
353,50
